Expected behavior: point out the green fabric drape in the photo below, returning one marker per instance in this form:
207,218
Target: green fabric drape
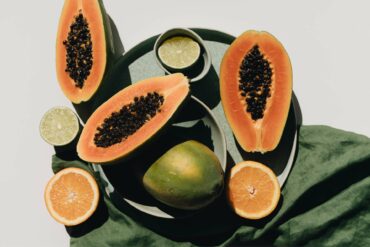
325,202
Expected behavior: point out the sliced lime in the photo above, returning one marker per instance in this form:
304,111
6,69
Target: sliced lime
59,126
179,52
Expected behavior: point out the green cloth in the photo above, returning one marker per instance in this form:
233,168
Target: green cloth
325,202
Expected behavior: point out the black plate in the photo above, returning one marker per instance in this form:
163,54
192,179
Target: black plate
141,64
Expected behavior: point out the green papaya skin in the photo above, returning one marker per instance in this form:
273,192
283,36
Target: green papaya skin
188,176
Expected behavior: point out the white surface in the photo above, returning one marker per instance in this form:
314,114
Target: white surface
328,42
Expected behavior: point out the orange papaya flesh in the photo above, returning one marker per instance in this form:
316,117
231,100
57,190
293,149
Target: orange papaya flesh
131,118
256,89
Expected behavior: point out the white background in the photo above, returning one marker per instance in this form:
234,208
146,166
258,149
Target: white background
328,43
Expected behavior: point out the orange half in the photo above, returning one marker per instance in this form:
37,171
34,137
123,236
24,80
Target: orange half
71,196
253,190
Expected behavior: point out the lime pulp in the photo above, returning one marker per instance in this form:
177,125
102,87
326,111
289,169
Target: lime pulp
179,52
59,126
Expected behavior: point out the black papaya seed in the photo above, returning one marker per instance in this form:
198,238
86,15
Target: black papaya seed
79,58
255,81
125,122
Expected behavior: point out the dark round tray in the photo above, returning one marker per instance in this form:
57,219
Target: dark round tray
139,63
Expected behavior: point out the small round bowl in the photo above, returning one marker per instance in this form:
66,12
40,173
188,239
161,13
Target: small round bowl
205,57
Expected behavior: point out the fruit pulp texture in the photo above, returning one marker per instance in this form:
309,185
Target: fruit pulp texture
252,189
71,196
179,52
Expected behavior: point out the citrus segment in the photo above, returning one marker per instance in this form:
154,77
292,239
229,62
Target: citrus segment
179,52
71,196
59,126
253,190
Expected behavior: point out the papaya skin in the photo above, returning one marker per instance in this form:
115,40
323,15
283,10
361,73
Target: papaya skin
188,176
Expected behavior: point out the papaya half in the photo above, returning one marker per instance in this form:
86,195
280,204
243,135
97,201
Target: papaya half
86,49
256,89
131,118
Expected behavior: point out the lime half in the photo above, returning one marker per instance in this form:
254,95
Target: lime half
179,52
59,126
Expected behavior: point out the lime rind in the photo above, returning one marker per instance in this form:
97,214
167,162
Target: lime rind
179,52
59,126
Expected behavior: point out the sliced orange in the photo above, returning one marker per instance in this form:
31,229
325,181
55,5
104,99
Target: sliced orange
253,190
71,196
